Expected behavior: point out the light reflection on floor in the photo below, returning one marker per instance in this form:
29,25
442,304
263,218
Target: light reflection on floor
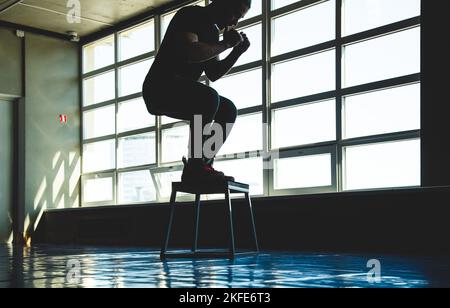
50,266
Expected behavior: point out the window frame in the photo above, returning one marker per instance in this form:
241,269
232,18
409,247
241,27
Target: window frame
266,107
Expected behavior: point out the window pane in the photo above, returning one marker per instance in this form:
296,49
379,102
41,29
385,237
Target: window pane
99,122
303,172
248,171
98,89
98,54
383,58
320,18
168,120
132,77
390,164
276,4
137,150
136,187
305,124
255,10
99,156
244,89
175,142
254,53
134,115
137,41
304,76
246,135
98,190
361,15
382,112
164,182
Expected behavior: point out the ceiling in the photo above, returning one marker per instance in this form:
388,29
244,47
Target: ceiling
51,15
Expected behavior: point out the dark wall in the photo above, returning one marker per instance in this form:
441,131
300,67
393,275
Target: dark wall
435,95
407,221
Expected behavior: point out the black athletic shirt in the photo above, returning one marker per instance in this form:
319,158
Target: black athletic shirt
170,61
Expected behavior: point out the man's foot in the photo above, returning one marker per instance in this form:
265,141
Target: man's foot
196,170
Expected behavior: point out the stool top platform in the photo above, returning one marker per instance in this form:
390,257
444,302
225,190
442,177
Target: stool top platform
210,188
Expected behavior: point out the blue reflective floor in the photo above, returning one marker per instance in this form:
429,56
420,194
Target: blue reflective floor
50,266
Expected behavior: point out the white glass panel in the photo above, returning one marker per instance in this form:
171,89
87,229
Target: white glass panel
382,165
244,89
303,172
99,156
382,112
304,76
254,53
381,58
98,190
248,171
305,124
164,182
98,54
137,150
168,120
98,89
132,77
136,187
276,4
361,15
245,136
255,10
175,143
134,115
303,28
99,122
137,41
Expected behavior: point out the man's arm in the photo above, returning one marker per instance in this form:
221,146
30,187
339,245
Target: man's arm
195,51
216,69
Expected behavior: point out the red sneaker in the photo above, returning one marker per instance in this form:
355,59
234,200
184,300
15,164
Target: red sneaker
196,170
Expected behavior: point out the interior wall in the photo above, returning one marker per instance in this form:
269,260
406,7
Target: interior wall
10,63
6,162
44,72
51,149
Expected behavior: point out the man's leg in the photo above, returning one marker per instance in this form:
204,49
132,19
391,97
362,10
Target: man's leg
225,117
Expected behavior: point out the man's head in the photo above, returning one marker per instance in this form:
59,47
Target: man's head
228,12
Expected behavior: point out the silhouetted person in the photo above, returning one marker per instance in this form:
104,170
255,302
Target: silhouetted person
190,47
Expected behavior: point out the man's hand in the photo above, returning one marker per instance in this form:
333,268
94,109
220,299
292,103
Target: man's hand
232,38
244,45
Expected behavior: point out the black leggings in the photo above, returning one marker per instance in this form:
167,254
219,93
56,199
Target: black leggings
182,99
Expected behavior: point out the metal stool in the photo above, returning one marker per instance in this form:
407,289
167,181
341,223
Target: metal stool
226,188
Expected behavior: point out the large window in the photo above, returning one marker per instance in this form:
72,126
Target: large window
328,97
119,135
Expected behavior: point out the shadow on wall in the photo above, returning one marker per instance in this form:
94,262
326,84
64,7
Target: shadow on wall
58,189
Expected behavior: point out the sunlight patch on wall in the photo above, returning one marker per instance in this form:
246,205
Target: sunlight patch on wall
39,217
58,182
56,159
40,193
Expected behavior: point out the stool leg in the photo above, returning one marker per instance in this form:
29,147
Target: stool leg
173,198
197,222
230,217
249,200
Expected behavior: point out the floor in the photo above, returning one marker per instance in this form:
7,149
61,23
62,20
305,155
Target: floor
51,266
